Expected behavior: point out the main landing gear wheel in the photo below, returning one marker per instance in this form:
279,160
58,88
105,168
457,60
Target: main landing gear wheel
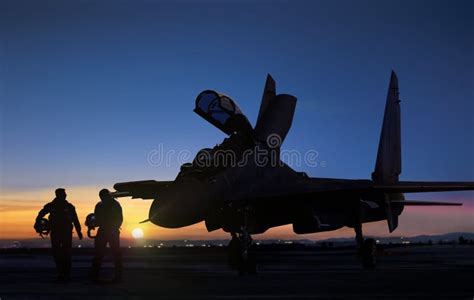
367,249
369,254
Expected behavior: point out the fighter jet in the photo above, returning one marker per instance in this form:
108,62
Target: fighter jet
242,187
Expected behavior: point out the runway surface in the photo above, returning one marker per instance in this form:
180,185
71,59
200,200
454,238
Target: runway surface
428,272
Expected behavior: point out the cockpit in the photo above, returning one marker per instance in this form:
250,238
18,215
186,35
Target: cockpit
222,112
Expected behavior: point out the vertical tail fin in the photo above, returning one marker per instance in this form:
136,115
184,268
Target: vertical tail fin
389,163
269,92
275,115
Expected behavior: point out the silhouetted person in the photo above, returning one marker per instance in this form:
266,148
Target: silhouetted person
108,216
62,216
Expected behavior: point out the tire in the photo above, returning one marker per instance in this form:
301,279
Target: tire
369,254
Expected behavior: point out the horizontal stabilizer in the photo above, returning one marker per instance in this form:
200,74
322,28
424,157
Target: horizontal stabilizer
425,203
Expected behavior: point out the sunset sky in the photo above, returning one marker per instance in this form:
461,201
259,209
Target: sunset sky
89,89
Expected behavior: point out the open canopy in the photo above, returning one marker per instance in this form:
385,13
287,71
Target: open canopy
222,112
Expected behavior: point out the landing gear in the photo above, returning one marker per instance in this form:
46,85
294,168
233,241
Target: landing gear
367,249
369,254
240,258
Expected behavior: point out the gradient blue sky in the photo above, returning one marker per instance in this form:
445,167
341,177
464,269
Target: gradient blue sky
89,88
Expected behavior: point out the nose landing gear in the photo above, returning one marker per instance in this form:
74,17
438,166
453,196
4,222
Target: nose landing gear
238,254
240,258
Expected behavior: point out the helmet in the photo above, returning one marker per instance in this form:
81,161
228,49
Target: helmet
91,224
104,194
42,227
90,221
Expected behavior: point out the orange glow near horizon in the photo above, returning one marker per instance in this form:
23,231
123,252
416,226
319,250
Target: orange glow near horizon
18,210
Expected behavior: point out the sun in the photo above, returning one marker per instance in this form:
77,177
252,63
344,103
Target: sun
137,233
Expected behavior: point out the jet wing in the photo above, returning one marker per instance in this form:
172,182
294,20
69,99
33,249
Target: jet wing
425,203
326,186
329,184
423,187
145,189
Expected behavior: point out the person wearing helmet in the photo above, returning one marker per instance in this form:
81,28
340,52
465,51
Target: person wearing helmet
62,217
109,218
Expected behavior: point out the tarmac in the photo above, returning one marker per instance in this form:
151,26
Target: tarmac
415,272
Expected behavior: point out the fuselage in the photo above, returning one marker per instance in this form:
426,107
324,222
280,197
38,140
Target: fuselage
272,195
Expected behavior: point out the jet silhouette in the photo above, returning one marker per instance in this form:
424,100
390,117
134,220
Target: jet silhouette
242,186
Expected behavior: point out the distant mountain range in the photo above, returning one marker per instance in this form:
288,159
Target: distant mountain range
447,237
45,243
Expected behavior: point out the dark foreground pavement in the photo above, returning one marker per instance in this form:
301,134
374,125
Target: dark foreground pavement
428,272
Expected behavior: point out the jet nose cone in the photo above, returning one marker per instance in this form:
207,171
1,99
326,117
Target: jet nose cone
182,204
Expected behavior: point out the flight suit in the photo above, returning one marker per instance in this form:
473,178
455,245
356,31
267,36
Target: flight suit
109,218
62,216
